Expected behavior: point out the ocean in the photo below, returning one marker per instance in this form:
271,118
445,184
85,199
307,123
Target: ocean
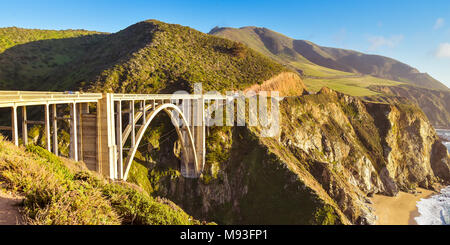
445,134
436,209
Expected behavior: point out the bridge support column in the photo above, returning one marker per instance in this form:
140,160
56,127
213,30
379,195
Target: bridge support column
187,160
119,140
106,140
144,113
203,132
199,133
133,124
55,130
14,126
80,139
194,110
47,127
73,132
24,126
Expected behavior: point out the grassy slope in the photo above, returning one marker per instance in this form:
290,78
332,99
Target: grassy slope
35,59
396,78
12,36
147,57
378,66
277,47
355,86
60,192
284,50
178,56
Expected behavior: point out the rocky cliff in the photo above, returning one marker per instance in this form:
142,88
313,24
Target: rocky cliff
333,152
434,103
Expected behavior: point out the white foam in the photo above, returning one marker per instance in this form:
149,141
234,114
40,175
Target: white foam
447,144
435,210
445,134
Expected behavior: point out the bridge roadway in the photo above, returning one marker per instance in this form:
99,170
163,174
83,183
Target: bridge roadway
98,134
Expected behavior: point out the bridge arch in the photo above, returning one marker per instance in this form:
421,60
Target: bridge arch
168,108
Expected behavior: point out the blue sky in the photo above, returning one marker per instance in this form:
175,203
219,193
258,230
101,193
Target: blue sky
412,31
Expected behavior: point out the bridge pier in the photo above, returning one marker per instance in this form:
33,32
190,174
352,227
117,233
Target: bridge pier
107,148
55,130
73,132
24,126
119,138
194,111
47,127
15,130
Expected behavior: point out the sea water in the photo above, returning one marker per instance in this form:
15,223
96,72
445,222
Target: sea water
436,209
445,135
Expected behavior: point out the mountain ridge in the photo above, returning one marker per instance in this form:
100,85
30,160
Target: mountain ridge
344,60
348,71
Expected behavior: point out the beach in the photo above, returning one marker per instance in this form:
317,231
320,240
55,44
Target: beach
399,210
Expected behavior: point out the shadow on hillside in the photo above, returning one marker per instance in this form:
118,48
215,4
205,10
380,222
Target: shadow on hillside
68,63
37,65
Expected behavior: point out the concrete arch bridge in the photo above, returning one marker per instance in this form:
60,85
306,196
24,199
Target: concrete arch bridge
100,136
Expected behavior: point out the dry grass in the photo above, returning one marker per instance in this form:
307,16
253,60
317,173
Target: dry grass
62,192
50,196
286,83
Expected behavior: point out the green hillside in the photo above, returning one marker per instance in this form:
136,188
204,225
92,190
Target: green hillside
278,47
12,36
36,59
316,61
347,71
147,57
351,85
283,50
375,65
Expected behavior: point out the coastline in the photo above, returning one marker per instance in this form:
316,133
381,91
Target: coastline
399,210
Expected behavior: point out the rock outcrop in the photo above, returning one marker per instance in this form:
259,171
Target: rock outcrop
434,103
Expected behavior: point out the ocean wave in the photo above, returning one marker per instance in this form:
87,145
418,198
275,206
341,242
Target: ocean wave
435,210
447,144
444,134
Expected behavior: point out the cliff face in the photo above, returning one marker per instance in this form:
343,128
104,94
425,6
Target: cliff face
410,146
434,103
246,182
332,152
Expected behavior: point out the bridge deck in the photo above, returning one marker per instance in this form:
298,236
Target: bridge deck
28,98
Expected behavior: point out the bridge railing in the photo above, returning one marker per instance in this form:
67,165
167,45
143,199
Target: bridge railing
28,98
125,97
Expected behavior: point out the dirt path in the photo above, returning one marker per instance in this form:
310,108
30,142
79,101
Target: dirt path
9,209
